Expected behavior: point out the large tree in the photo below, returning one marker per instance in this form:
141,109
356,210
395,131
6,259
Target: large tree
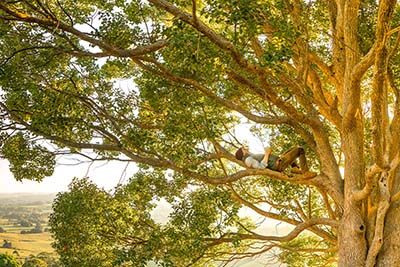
323,74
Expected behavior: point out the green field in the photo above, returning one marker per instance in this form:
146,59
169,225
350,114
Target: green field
14,206
26,244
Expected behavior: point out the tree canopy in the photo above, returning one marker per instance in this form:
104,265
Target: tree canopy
8,261
320,74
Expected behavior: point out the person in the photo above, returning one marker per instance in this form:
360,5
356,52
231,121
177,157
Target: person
274,162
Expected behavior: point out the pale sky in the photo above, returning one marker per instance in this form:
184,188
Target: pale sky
105,175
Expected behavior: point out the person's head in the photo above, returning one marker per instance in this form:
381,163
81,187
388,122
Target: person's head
240,153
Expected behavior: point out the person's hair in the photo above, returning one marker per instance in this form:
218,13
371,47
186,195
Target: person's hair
239,154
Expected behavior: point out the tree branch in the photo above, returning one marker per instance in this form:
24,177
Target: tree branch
165,73
306,225
369,183
57,24
214,37
383,207
274,216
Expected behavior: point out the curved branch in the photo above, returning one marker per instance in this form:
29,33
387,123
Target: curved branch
383,207
290,236
57,24
322,66
274,216
158,161
369,183
164,73
23,50
217,39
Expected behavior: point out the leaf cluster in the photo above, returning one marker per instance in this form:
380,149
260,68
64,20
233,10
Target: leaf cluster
28,160
8,261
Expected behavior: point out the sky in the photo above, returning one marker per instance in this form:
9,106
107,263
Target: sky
105,175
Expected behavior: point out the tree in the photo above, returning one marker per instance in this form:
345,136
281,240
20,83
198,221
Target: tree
8,261
25,223
42,259
322,74
34,262
37,230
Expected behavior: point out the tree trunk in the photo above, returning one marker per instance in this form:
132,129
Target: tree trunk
351,237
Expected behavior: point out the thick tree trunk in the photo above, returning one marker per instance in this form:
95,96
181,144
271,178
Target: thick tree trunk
351,238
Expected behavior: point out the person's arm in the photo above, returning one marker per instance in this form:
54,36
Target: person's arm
268,151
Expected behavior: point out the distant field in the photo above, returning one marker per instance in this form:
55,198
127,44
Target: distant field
25,244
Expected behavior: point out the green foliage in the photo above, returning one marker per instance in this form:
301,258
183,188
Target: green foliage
8,261
367,22
89,225
34,262
93,227
28,160
42,259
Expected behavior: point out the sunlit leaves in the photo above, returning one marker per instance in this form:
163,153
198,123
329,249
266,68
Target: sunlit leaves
95,228
8,261
28,160
92,226
115,30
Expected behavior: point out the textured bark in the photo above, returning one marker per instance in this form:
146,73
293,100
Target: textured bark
389,253
351,238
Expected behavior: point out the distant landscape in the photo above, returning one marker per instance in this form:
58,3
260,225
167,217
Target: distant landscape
23,224
24,227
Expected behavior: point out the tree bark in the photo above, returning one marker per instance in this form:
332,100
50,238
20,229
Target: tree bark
389,253
351,237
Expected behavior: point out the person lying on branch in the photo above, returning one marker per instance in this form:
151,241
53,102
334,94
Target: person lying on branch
274,162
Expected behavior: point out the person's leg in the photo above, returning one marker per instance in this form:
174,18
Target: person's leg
289,157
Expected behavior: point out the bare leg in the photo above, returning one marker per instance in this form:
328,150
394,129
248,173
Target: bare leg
289,158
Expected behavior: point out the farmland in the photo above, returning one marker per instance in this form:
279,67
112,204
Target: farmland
25,213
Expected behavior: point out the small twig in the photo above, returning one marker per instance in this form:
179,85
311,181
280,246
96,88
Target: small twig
194,11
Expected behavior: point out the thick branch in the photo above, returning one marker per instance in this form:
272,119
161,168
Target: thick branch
380,118
383,206
57,24
292,235
214,37
369,183
274,216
